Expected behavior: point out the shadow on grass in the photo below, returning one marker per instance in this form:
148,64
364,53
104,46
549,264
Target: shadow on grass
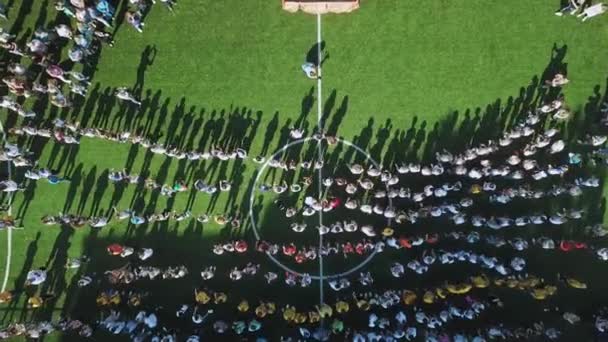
190,243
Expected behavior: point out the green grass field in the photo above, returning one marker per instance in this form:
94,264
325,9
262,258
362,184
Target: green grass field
397,72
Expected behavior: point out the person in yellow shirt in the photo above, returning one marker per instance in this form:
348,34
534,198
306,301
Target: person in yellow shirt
102,299
219,297
261,311
301,318
271,307
314,317
429,297
325,311
115,298
480,281
409,297
134,299
201,297
342,307
5,297
243,306
575,283
362,304
34,302
289,313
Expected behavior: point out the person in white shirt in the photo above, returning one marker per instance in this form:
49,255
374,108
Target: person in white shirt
36,277
571,7
593,11
310,70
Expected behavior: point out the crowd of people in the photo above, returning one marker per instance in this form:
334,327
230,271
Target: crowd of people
373,209
512,168
79,221
65,132
347,249
86,32
457,301
48,77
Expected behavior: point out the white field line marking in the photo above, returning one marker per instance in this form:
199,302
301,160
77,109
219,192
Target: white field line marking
9,236
320,152
257,234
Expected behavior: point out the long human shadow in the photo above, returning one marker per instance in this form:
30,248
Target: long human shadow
240,131
74,180
55,283
64,157
119,18
457,132
24,10
337,118
186,129
312,56
306,107
217,131
496,118
19,284
416,144
147,59
235,135
271,129
100,189
88,183
28,196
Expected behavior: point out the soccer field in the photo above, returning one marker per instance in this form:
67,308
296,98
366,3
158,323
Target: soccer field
401,81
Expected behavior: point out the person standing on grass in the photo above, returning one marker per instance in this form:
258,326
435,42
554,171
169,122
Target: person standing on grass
64,31
105,9
36,277
56,72
10,186
124,94
572,7
141,5
134,18
557,81
169,4
593,11
3,11
310,70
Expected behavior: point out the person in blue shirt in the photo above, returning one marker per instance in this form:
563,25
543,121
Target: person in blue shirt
106,9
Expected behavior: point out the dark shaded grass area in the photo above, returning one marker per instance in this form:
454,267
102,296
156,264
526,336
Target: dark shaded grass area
169,113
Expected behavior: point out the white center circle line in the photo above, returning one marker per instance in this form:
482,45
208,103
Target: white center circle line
9,233
253,218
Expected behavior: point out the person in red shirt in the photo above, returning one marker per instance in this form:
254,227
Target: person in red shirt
347,248
289,250
360,248
405,242
300,257
566,246
240,246
115,249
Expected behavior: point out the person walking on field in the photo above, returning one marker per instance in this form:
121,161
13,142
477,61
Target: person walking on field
310,70
593,11
124,94
572,7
